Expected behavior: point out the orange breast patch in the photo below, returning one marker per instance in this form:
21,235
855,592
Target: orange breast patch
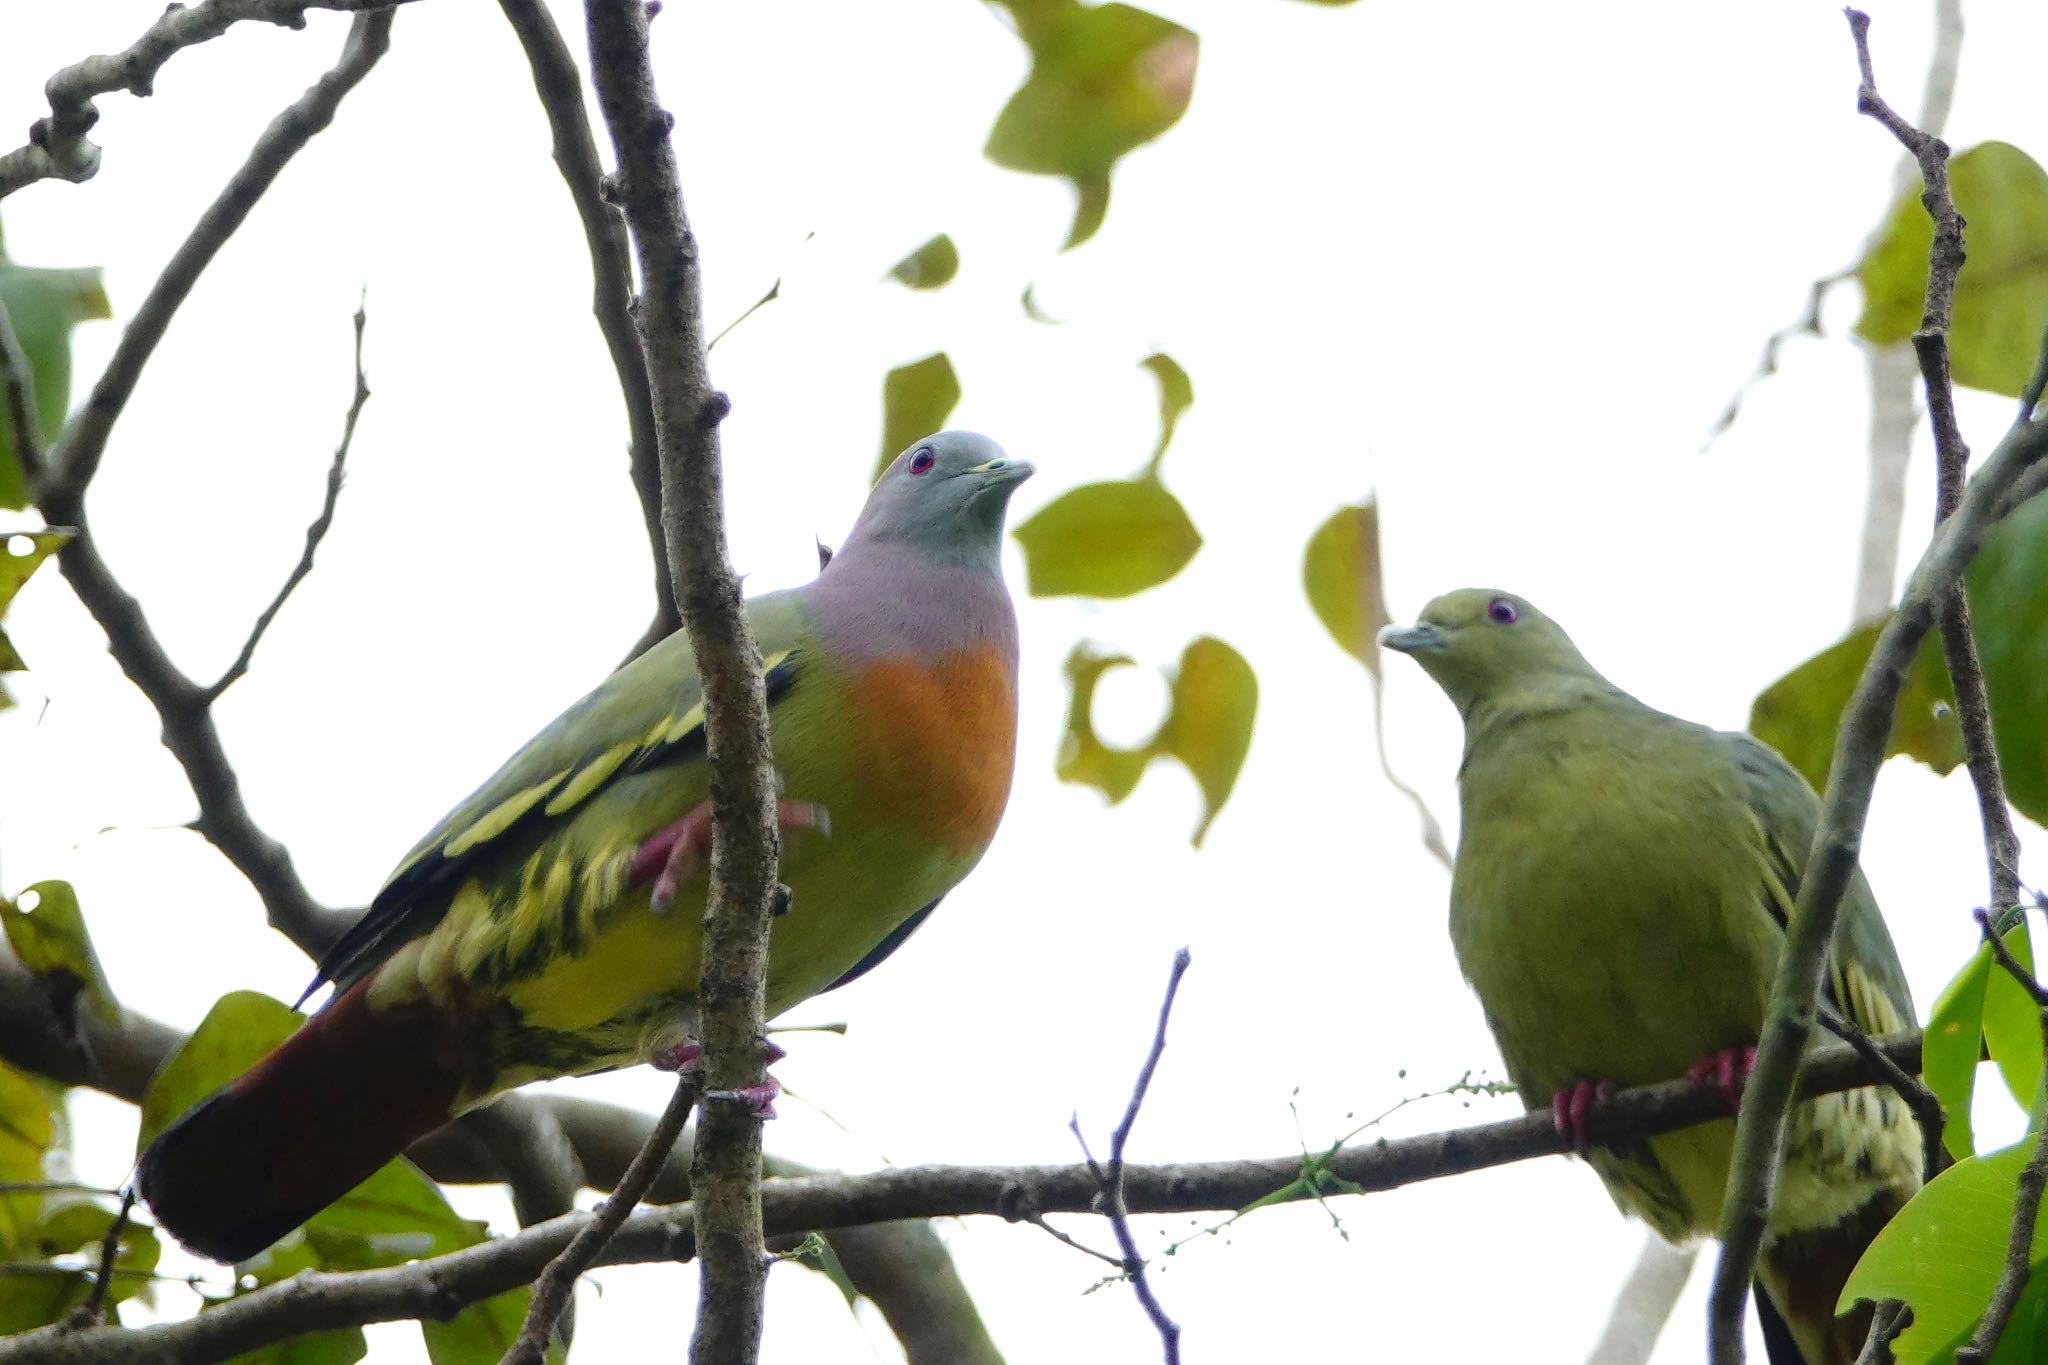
943,738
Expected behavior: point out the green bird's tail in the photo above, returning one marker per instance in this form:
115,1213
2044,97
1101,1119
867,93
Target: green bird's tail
353,1088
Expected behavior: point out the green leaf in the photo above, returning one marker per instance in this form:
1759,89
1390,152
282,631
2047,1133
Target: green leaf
27,1129
342,1346
916,400
34,1294
395,1216
1104,81
236,1033
2008,589
1943,1252
1207,729
20,553
47,932
1084,759
44,305
1106,540
929,267
2012,1022
2001,295
1176,396
1341,573
817,1253
1952,1044
79,1228
481,1333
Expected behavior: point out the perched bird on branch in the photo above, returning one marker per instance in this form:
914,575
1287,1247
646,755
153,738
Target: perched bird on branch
531,933
1619,904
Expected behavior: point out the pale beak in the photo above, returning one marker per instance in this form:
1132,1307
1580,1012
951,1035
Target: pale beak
1420,638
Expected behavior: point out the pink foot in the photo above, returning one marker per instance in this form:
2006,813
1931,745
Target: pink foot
686,1058
672,855
1727,1071
1570,1108
758,1099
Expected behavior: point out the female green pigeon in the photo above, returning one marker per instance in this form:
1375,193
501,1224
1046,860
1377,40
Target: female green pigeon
530,934
1619,902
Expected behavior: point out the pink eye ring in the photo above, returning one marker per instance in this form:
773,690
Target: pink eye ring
923,460
1502,612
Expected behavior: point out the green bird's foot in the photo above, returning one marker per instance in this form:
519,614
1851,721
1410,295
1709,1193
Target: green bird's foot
1570,1108
675,853
1727,1071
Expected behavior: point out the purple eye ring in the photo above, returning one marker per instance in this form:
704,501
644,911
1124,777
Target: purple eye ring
1502,612
923,460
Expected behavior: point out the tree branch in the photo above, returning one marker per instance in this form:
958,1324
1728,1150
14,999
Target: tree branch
180,703
687,411
57,147
560,87
443,1285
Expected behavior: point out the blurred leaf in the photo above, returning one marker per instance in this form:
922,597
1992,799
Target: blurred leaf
26,1131
1176,396
44,305
2012,1022
1033,311
481,1333
817,1253
916,400
1104,80
20,553
930,266
46,929
1942,1252
35,1294
1106,540
2001,296
342,1346
1951,1046
1208,725
395,1216
1341,573
241,1027
1084,758
78,1229
2008,588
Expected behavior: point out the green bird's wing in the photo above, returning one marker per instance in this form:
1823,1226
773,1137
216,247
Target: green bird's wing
647,716
1865,981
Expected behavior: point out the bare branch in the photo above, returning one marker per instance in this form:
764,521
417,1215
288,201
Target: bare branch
551,1292
57,147
560,87
315,1301
687,411
315,533
17,380
180,703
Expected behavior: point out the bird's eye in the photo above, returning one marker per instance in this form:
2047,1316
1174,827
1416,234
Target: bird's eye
923,460
1501,612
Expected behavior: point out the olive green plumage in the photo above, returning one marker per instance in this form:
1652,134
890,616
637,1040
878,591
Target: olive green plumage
1622,885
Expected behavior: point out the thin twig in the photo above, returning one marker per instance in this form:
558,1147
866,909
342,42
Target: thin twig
1037,1220
17,378
57,146
187,722
315,533
687,411
2033,1180
1924,1103
560,88
1112,1177
93,1306
439,1285
551,1292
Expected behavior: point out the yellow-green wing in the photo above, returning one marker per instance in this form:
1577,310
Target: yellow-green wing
648,715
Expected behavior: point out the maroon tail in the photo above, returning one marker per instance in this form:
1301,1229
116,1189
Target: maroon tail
353,1088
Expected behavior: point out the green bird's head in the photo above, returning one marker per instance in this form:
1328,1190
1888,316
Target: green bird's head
944,498
1481,643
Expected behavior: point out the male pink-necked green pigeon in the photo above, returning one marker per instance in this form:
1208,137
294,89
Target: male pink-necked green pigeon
1619,903
527,936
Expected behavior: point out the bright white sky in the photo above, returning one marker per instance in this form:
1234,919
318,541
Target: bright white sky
1504,263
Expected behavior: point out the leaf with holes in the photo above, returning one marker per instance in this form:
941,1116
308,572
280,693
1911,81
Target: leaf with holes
2002,294
1106,540
47,931
20,553
1105,80
44,305
929,267
1084,759
916,400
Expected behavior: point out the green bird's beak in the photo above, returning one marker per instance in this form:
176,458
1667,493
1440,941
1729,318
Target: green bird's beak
1420,638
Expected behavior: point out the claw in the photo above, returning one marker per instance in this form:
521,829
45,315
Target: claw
683,1058
1727,1071
1571,1107
758,1099
675,853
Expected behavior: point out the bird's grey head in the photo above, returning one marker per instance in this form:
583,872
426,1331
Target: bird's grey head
945,498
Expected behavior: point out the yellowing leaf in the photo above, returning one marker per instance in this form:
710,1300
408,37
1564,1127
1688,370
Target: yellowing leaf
44,305
1341,573
1176,396
916,400
2002,293
930,266
1104,80
1207,729
20,553
1106,540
